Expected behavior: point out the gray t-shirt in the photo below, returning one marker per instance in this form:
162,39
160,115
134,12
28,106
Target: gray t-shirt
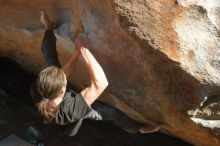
71,112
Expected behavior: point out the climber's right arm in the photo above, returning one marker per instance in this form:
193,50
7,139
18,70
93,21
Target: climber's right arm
98,80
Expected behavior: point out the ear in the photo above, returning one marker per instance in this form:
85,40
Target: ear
63,91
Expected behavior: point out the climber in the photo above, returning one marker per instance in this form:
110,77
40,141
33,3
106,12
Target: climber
58,103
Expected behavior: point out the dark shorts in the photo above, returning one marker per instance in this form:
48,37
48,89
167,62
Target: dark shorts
48,48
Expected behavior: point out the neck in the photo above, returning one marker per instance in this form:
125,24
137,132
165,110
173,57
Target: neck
57,100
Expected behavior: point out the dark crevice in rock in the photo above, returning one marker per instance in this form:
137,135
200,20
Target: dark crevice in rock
209,109
202,10
15,81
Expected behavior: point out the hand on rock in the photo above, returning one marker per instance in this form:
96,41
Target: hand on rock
81,41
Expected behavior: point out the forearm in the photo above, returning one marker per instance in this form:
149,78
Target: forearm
96,73
71,63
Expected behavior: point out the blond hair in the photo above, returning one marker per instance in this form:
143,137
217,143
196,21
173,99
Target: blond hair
49,83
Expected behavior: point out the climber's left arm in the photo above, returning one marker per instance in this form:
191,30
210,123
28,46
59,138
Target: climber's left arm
71,63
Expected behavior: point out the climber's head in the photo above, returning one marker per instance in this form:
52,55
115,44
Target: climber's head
51,84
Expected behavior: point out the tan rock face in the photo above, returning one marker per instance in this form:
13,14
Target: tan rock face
161,57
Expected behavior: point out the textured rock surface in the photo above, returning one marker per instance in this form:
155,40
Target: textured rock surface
161,57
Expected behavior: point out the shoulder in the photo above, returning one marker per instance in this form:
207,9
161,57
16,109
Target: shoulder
69,100
72,108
